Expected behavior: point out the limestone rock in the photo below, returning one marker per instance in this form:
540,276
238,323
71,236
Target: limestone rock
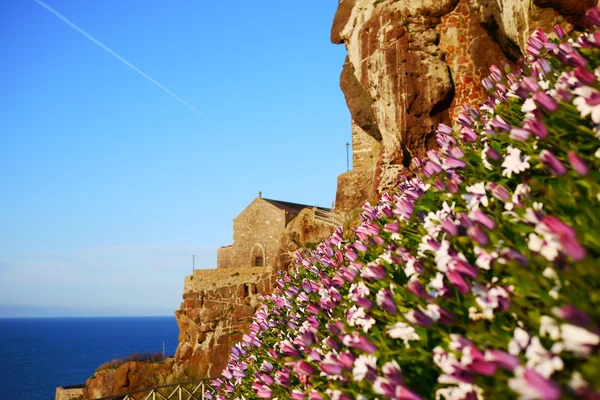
217,309
128,377
415,62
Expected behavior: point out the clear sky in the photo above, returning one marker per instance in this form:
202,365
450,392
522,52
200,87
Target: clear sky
109,184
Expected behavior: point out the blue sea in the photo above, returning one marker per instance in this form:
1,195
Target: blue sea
39,354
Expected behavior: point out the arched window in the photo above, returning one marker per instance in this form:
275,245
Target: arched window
258,262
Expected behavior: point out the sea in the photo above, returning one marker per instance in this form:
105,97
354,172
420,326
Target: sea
39,354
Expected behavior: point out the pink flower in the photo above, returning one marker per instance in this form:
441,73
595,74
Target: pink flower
502,359
545,101
532,385
593,16
552,163
536,127
578,164
459,282
572,315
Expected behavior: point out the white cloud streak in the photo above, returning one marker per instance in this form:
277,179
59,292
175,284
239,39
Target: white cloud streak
118,57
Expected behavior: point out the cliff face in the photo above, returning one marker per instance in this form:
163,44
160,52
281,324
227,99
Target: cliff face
130,376
412,64
217,310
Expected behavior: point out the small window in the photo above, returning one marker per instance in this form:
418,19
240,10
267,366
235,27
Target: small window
258,262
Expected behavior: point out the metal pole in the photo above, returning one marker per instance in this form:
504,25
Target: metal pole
347,157
193,263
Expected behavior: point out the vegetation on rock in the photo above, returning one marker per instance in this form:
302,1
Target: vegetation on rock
141,357
477,278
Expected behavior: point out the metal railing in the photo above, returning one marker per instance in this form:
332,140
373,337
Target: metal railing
192,390
327,217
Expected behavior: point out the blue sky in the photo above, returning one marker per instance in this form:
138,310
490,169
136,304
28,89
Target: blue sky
109,185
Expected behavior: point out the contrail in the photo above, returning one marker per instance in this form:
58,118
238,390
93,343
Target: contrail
118,57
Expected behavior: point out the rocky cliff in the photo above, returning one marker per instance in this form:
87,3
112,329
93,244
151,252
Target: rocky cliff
412,64
217,309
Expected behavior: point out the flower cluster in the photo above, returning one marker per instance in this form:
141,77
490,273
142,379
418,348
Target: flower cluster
479,277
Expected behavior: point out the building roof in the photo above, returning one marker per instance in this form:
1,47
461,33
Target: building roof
291,207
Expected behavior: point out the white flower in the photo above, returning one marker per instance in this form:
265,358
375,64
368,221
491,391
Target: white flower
518,342
522,190
362,365
357,317
550,274
486,163
425,246
391,367
528,105
432,311
474,314
437,283
459,392
447,362
541,360
514,162
442,258
577,382
578,340
378,385
476,196
488,298
403,331
358,290
582,104
409,268
548,326
484,259
547,247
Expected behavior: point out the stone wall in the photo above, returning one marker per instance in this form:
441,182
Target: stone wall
355,187
217,309
226,257
69,393
256,232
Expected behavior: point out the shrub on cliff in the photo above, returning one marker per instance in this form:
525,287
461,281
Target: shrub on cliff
477,278
141,357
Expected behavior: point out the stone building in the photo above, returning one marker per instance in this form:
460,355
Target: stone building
259,231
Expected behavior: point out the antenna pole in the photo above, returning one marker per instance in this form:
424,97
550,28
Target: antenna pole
193,263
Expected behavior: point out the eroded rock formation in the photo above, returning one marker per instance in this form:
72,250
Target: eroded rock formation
130,376
412,64
217,309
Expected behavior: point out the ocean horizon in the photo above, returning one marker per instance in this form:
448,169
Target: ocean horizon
42,353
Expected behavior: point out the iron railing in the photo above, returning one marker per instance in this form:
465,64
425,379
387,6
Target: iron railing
327,217
192,390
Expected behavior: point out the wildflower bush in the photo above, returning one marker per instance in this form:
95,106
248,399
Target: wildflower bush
478,278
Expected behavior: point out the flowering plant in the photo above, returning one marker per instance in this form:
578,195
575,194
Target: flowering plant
477,278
